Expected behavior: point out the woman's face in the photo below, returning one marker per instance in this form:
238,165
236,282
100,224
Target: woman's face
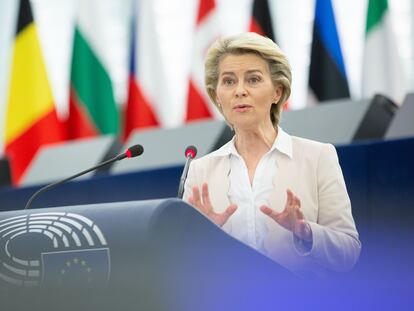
245,90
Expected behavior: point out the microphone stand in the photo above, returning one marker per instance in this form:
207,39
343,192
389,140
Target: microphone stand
57,183
184,177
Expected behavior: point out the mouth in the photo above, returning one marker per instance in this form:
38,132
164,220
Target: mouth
242,107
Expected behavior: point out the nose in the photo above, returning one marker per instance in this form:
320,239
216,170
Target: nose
241,90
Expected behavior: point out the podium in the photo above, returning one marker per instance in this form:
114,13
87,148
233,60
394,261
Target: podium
146,255
162,255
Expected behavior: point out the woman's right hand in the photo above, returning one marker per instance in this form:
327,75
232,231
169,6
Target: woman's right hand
203,204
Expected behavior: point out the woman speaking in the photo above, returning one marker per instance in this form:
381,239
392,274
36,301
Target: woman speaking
283,195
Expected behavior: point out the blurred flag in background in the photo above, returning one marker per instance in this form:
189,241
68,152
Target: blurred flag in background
382,69
206,32
261,21
327,75
31,119
92,108
138,110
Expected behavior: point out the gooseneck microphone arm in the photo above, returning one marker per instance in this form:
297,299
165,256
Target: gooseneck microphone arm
130,153
190,154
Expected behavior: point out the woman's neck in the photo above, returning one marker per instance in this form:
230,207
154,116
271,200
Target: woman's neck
255,143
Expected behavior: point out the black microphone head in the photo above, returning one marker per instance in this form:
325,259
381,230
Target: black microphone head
190,151
134,151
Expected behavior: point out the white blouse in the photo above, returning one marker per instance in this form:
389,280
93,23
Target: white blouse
248,223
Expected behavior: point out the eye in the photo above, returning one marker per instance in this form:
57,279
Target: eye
254,80
228,81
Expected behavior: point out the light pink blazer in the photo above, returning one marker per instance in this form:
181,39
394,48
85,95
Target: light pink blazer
314,175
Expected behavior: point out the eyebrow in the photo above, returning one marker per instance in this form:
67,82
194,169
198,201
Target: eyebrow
248,72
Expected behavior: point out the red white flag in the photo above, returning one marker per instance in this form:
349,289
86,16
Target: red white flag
138,111
207,31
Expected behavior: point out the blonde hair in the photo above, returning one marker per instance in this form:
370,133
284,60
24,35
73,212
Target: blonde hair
246,43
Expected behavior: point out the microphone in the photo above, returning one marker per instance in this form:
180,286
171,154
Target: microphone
190,154
131,152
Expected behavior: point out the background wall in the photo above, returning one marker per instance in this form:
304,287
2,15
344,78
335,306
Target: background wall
174,24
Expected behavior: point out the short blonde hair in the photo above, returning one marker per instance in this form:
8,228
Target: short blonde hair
246,43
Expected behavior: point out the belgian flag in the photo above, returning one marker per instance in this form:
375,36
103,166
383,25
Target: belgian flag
31,119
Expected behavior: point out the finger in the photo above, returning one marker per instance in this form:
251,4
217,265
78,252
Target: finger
206,196
269,212
221,219
230,211
266,209
196,196
296,201
198,206
289,200
298,213
296,205
292,212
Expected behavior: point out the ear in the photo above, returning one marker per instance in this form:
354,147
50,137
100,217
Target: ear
278,93
218,101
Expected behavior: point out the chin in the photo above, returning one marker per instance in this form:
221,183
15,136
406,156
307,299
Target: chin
245,124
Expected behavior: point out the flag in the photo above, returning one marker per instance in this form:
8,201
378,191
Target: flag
207,31
138,111
76,267
327,75
92,106
382,69
151,64
31,119
261,21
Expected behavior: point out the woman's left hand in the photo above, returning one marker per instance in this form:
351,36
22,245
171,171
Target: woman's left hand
291,218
